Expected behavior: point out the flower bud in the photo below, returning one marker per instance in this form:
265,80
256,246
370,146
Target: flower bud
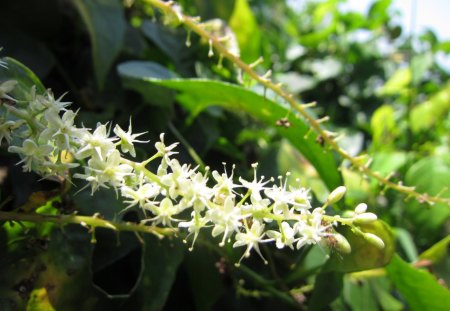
336,195
361,208
374,240
342,244
364,218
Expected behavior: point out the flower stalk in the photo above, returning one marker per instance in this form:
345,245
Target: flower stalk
43,132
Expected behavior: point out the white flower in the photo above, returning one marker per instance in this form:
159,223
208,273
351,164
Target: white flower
51,104
300,198
31,151
224,185
101,172
62,130
281,197
163,213
178,179
141,195
286,236
255,186
97,143
7,87
226,219
197,194
194,226
6,128
251,238
258,209
127,139
164,150
312,230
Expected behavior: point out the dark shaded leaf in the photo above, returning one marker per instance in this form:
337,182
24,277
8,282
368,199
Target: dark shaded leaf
327,288
105,23
206,283
160,259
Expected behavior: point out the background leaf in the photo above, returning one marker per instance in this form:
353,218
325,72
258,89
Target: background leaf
429,175
363,255
420,289
23,75
247,31
105,23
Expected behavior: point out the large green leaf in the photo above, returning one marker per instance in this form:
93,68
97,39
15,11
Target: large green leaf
244,25
327,288
160,260
204,278
23,75
198,94
208,9
438,251
429,175
364,255
419,288
45,271
359,295
425,115
106,25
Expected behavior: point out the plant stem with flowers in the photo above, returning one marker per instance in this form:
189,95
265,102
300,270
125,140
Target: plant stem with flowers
41,130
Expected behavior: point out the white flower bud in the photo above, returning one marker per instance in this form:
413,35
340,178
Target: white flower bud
365,218
342,244
361,208
336,195
374,240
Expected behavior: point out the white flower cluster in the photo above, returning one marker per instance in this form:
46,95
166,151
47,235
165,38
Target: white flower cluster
41,130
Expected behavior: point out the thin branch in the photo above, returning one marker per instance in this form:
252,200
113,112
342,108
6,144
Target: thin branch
90,222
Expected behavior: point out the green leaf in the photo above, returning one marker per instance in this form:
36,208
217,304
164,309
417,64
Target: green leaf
23,75
358,295
205,281
398,83
161,259
152,93
427,114
384,127
173,43
406,241
215,9
106,25
420,64
246,28
381,287
315,258
438,251
327,288
378,13
364,255
198,94
419,288
429,175
386,162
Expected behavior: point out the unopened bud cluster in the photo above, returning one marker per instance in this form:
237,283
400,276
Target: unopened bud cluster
42,131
